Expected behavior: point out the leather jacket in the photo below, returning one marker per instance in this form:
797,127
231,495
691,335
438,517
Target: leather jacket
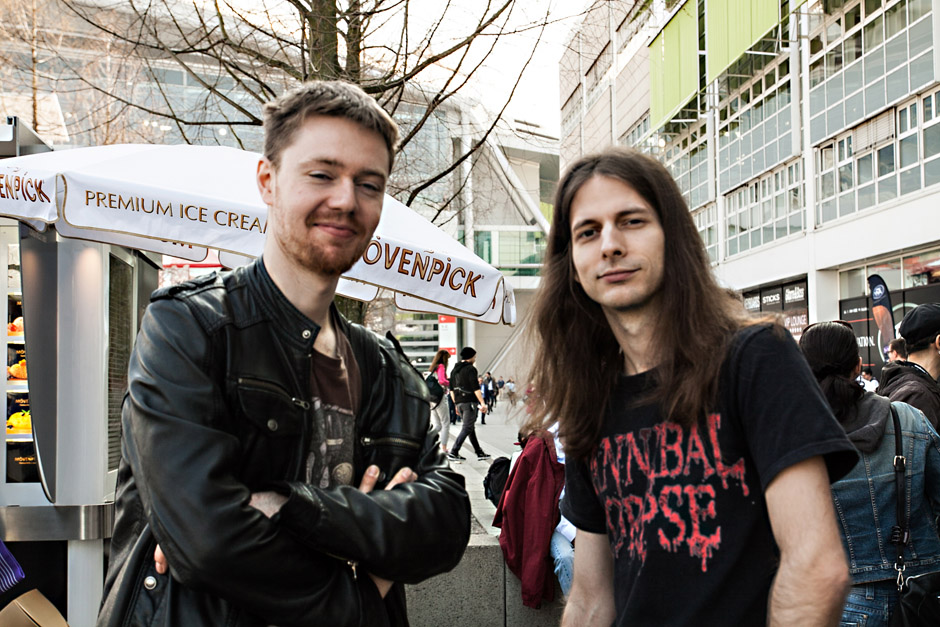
866,498
907,382
216,409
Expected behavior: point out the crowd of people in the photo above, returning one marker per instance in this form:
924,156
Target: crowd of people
277,467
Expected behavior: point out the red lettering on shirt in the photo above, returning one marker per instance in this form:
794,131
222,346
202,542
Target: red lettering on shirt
678,504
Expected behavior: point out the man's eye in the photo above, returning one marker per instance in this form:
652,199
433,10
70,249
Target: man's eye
322,176
372,187
586,233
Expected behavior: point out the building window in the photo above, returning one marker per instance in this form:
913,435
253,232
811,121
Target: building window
686,158
754,124
765,210
638,137
706,221
863,56
896,154
571,111
512,252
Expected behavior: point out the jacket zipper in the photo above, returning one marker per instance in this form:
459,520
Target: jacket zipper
273,387
369,441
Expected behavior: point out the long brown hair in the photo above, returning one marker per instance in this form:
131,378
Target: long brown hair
440,357
577,358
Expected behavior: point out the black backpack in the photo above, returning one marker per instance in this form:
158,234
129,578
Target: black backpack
495,480
435,389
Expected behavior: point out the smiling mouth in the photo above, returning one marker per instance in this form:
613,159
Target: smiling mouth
617,275
337,230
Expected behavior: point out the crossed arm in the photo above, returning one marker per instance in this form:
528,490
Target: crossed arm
270,503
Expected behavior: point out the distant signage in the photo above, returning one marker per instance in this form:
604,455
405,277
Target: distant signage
447,333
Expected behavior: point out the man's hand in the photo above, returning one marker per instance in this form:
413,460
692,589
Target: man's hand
369,479
268,503
483,409
159,560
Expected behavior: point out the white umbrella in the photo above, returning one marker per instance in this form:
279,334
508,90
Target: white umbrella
182,200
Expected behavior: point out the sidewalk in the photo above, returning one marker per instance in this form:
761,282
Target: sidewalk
497,437
480,591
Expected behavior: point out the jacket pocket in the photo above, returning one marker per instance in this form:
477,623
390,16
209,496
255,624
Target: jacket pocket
270,425
390,452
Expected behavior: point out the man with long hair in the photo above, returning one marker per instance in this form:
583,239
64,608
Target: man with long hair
696,438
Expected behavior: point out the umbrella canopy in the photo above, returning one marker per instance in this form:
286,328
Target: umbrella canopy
182,200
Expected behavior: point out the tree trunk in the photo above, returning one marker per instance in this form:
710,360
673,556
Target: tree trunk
323,39
354,41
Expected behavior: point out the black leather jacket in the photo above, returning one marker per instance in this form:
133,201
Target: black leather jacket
217,403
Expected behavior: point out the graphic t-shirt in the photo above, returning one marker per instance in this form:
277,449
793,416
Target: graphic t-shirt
684,509
336,391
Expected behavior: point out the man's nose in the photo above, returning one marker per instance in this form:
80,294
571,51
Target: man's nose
343,195
612,244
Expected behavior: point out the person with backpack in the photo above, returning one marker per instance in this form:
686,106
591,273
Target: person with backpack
867,498
440,410
467,396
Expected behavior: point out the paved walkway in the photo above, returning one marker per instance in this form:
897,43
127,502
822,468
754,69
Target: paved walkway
497,437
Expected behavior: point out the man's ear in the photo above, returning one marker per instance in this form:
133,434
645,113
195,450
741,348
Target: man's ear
264,176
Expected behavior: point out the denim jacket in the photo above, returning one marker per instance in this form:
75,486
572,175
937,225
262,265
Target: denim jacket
866,499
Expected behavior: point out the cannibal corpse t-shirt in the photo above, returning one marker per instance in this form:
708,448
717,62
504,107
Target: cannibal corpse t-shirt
336,392
684,509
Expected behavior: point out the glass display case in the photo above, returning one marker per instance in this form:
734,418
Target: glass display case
20,464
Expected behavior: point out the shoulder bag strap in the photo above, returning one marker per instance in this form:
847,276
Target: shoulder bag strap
901,534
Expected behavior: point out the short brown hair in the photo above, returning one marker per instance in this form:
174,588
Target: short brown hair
338,99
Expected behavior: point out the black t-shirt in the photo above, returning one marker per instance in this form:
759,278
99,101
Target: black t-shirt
684,509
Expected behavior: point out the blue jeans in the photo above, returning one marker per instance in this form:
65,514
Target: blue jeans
870,604
563,554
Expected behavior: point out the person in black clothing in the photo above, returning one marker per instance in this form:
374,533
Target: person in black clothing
699,448
260,427
914,381
464,385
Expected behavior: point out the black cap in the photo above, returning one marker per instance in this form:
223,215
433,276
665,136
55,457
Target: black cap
921,326
467,353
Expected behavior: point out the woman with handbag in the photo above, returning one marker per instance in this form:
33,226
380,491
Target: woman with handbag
889,534
440,411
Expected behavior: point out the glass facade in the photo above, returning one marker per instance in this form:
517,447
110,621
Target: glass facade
686,157
900,272
706,221
514,253
865,56
900,155
767,209
755,120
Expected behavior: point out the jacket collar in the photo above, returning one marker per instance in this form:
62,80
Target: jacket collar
289,323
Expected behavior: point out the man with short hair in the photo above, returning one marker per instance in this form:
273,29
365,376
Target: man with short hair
699,446
465,386
867,380
897,349
259,425
914,381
